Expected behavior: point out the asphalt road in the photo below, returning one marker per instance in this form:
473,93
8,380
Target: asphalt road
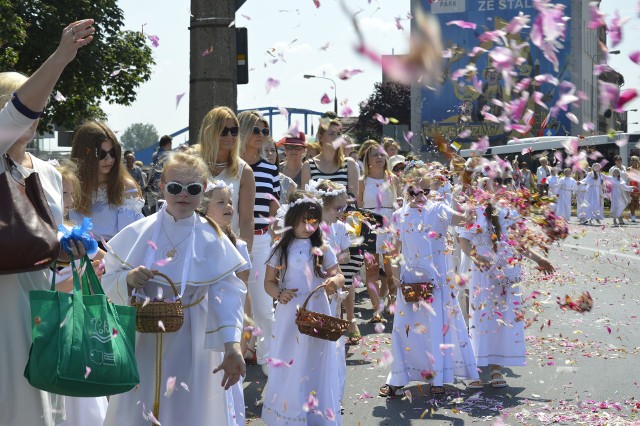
582,368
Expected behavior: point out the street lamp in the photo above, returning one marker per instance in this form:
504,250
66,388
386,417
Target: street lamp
335,90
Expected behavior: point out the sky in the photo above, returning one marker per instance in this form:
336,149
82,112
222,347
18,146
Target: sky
299,31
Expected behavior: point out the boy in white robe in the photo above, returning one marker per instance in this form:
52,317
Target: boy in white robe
185,376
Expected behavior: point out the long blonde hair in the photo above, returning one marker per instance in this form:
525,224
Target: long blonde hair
322,129
368,146
209,138
248,120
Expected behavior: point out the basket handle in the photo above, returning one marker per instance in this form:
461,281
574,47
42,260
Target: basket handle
304,305
173,286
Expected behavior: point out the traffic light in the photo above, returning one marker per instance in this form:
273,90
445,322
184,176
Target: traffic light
242,55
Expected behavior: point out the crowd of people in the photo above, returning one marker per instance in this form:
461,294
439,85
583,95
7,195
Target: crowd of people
247,237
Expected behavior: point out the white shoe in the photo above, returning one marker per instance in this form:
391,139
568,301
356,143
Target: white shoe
265,369
598,220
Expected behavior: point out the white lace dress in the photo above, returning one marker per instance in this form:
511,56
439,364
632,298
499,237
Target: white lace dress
108,219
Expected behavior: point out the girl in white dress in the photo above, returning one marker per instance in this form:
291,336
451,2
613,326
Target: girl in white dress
434,330
109,196
185,376
303,387
566,188
220,209
581,196
495,323
378,193
336,236
594,200
619,195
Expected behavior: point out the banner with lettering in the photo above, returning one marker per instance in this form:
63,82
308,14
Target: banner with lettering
455,107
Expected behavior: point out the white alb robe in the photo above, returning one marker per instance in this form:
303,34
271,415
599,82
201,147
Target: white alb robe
594,200
565,190
435,331
213,299
618,194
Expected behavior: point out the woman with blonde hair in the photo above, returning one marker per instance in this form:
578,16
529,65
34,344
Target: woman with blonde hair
254,131
378,193
23,100
219,147
109,195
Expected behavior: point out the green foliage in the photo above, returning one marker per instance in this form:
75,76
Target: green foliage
12,33
86,81
390,100
139,136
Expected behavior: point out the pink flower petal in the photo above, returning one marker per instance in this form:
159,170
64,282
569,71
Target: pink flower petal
463,24
179,97
325,99
171,386
155,40
381,119
271,84
635,57
316,3
87,372
152,244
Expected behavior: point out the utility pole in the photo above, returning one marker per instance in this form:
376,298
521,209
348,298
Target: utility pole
212,80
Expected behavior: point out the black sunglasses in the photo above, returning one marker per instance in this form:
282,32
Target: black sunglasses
175,188
257,130
419,192
227,130
500,181
102,154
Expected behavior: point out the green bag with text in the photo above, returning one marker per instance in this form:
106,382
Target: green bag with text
82,344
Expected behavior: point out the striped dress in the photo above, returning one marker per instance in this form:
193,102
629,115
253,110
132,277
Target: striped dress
267,189
339,176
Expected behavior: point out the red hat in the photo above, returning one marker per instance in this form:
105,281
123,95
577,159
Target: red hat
301,140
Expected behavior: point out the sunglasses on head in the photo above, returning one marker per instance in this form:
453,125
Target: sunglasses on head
505,181
258,130
418,192
102,154
175,188
227,130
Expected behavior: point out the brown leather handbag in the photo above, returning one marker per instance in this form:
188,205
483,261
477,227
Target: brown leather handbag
28,236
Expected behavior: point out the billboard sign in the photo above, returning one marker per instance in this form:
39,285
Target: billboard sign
455,106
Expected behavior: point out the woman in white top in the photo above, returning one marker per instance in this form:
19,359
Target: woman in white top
20,403
378,193
219,147
109,196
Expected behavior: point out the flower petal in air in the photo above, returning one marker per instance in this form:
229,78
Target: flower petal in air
325,99
463,24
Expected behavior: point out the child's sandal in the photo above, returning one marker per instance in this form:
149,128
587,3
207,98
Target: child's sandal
497,382
389,391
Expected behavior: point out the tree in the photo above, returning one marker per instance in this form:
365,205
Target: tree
30,31
139,136
390,100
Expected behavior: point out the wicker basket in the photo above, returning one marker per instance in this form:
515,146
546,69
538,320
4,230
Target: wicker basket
417,292
318,325
170,313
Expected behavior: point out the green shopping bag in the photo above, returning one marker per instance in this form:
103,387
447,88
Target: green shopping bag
82,344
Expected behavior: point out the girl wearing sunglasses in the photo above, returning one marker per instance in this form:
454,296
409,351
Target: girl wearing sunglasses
198,257
421,226
109,195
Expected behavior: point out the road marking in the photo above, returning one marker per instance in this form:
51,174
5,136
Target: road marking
609,252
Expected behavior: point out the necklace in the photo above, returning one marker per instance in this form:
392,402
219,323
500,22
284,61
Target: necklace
174,247
222,164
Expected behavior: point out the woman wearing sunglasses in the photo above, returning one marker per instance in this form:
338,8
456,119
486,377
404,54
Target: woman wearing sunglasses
254,132
109,194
